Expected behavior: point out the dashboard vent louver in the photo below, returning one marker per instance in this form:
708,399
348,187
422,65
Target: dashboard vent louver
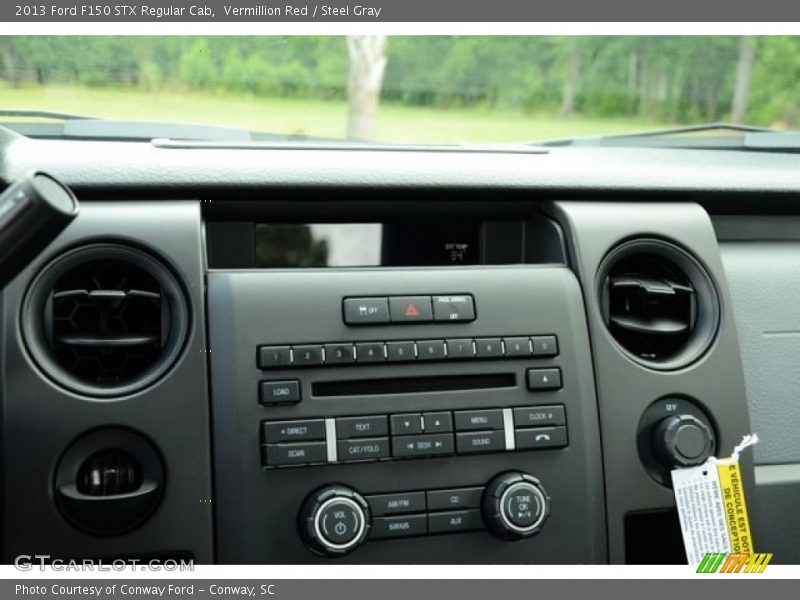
105,320
658,303
109,473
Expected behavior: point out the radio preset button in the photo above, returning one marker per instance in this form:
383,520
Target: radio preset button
295,453
472,420
389,527
455,521
456,498
279,392
339,353
406,424
410,309
437,422
400,351
363,449
293,431
422,445
517,346
372,426
430,350
489,348
539,416
541,437
460,348
544,379
307,356
370,352
453,308
366,311
480,441
390,504
545,345
274,357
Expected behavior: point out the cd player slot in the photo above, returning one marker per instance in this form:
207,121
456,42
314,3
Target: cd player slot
413,385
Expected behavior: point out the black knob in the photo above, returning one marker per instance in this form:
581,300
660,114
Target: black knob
515,505
334,520
683,441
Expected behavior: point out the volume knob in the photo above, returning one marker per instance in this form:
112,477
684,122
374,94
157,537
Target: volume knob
334,520
515,505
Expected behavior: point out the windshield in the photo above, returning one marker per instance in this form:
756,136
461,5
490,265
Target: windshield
437,89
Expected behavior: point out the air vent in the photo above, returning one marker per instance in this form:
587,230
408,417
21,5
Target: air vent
109,473
658,303
105,320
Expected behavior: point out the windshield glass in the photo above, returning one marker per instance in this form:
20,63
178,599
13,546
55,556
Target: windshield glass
437,89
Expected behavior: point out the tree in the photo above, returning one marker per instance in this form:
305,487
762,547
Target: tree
741,89
572,79
367,64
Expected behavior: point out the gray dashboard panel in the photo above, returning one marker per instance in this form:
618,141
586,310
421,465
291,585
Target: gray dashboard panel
40,419
765,284
624,388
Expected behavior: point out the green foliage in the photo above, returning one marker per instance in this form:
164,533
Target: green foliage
659,78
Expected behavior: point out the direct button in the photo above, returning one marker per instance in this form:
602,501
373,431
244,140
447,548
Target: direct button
472,420
350,427
294,431
390,504
410,309
279,392
366,311
453,308
340,521
539,416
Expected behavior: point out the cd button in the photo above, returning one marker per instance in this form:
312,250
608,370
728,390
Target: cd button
455,498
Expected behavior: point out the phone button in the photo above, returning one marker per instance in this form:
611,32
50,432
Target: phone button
541,437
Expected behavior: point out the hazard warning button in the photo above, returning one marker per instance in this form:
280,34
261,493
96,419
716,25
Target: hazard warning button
410,309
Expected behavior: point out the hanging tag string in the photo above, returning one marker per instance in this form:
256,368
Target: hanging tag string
747,441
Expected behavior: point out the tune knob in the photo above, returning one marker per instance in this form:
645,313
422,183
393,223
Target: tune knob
683,441
515,505
334,520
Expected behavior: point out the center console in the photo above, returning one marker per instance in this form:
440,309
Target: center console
404,415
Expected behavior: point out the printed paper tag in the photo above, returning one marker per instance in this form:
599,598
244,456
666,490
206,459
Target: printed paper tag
712,507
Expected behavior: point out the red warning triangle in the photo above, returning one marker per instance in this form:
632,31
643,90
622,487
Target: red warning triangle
411,311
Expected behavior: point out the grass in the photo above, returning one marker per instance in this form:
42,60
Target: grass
311,117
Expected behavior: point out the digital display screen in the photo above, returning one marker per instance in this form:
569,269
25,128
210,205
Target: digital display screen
298,245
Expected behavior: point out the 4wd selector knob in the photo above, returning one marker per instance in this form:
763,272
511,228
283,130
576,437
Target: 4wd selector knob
683,441
515,505
334,520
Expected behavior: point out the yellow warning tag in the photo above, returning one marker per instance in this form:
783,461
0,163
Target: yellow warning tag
732,489
712,507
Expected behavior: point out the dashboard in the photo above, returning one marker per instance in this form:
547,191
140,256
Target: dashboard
250,353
